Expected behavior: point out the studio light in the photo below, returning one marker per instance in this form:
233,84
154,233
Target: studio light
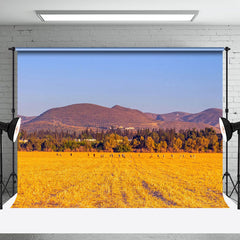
227,130
12,130
117,16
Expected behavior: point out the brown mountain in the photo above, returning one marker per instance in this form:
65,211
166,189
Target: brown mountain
174,116
80,116
77,117
26,119
178,125
209,116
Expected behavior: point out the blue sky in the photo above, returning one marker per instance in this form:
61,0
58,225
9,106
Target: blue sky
157,82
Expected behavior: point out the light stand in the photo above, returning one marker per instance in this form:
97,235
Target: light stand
227,130
12,130
1,169
13,175
237,185
227,174
238,174
1,172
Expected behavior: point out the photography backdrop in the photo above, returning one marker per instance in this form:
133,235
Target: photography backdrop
120,128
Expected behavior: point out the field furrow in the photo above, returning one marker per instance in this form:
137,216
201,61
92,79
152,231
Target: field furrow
113,180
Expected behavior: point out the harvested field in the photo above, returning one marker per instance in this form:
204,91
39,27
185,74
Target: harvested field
116,180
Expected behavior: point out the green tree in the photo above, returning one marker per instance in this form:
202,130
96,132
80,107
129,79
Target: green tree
177,144
28,146
111,141
190,145
150,144
36,145
46,146
214,144
135,143
202,144
162,146
155,137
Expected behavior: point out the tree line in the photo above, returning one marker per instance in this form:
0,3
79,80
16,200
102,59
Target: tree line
118,140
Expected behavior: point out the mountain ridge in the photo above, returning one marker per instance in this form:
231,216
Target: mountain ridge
209,116
77,117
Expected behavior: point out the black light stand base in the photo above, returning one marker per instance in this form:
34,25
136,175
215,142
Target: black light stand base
237,185
228,175
1,170
5,189
238,173
13,175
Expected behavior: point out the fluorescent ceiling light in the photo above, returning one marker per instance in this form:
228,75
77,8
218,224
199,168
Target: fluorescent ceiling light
117,16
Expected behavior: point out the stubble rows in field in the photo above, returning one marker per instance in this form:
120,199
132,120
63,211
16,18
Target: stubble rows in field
112,180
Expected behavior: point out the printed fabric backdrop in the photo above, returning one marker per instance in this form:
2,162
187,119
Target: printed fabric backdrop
112,129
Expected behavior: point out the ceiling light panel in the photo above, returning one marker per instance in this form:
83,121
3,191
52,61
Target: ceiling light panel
117,16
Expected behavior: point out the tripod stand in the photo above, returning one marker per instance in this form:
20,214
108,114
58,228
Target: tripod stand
237,185
13,175
227,175
1,173
1,170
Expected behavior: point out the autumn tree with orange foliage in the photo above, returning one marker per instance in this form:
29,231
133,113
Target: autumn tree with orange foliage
118,140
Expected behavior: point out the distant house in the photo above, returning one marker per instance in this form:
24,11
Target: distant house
77,140
90,140
87,140
129,128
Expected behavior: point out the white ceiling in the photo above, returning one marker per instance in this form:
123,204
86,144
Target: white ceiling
213,12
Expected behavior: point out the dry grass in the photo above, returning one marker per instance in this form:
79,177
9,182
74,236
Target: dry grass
48,180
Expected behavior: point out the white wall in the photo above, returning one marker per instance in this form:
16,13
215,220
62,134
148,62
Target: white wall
120,36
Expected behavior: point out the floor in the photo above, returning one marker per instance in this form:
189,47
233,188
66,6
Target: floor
5,197
119,220
119,236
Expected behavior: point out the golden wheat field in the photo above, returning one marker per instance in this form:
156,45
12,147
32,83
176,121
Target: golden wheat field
112,180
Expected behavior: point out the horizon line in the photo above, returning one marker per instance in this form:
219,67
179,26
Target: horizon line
120,106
